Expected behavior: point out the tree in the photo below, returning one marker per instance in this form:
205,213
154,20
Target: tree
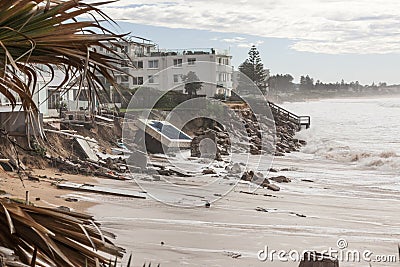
253,68
192,83
50,33
306,83
280,82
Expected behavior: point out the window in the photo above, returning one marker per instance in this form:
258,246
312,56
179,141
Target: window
176,78
153,64
138,64
54,99
124,79
223,77
191,61
124,63
137,80
178,62
151,79
223,61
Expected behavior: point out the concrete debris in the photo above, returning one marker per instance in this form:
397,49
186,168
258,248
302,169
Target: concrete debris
281,179
261,209
161,136
272,187
113,169
87,149
209,171
204,145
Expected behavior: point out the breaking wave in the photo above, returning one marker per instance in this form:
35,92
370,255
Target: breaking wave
389,105
344,153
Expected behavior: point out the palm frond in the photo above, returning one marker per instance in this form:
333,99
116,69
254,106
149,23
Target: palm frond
49,32
54,237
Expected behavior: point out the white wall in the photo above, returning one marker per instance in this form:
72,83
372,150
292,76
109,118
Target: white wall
206,67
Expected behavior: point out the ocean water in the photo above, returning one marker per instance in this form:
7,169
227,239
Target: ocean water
354,143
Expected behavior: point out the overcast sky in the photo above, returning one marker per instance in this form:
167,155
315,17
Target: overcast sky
327,39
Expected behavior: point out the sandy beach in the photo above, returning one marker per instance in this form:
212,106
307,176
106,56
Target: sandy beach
312,212
235,228
44,192
302,216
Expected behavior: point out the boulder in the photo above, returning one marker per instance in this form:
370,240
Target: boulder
272,187
265,183
280,179
209,171
236,168
247,176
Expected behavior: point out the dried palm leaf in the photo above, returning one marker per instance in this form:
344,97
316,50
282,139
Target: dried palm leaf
54,238
48,32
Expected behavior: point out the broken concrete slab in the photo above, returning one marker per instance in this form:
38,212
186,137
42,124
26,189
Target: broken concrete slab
91,155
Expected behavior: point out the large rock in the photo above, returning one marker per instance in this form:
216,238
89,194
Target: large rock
265,183
210,144
247,176
236,168
209,171
272,187
280,179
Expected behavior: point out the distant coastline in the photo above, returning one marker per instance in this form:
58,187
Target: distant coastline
315,96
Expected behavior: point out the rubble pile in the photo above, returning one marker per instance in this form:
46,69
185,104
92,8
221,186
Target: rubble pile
285,132
110,168
260,136
218,143
258,178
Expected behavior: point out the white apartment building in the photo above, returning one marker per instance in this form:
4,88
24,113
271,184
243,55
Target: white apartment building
163,69
147,66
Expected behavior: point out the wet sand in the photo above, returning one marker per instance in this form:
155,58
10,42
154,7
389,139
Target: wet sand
232,226
231,231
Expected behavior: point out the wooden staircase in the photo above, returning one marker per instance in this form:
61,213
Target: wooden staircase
299,120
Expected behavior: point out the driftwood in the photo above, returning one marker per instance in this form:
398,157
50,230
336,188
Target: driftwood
102,190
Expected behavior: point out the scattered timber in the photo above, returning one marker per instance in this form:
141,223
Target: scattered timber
102,190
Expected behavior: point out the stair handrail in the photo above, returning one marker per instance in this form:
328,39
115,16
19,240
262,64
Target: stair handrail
300,120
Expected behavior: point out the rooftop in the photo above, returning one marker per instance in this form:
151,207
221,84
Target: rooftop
187,51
